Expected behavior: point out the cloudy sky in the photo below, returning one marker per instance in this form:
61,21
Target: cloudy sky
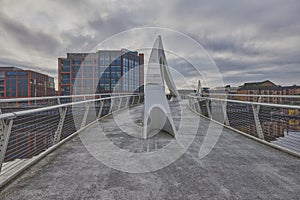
248,40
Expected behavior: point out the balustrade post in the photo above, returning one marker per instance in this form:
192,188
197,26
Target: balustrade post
139,98
62,113
112,101
208,108
198,106
194,104
100,109
58,101
5,131
127,102
256,109
120,103
87,108
226,120
190,102
132,103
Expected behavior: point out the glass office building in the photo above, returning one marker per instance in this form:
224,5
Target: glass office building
19,83
105,71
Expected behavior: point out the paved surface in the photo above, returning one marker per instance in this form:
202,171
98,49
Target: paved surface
236,168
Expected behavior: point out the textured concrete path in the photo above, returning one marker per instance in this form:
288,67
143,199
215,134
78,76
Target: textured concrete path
236,168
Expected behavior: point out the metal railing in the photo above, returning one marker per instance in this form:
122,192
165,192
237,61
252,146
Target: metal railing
271,122
16,104
26,133
263,98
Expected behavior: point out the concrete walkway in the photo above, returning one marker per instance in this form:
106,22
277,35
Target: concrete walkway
236,168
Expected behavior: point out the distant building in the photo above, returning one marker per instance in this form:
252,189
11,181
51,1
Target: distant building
230,90
219,92
17,83
184,93
88,73
267,88
205,91
260,88
291,90
281,119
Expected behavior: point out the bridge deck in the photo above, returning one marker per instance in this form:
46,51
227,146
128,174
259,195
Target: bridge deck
236,168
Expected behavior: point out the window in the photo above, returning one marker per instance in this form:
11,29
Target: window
65,78
106,58
65,65
77,62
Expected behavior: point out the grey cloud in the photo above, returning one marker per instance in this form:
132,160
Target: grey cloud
77,43
114,23
229,44
103,28
245,32
38,41
49,71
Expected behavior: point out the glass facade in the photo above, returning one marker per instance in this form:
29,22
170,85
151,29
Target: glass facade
101,72
2,84
17,83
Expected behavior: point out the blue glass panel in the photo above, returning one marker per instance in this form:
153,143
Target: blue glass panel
77,62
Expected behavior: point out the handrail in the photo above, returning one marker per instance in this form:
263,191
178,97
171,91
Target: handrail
252,118
46,129
253,95
55,97
32,111
249,103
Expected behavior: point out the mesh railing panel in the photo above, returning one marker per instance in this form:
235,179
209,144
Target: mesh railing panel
35,130
267,121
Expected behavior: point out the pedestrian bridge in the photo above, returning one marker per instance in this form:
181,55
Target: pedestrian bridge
220,161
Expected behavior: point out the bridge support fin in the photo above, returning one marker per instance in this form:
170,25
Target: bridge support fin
157,114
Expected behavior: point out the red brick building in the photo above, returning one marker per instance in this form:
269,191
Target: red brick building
17,83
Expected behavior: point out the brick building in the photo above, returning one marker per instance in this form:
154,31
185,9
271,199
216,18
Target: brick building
17,83
260,88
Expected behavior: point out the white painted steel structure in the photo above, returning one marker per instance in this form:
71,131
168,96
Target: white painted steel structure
157,114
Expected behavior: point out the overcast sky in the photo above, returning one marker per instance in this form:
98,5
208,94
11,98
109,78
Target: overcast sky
248,40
